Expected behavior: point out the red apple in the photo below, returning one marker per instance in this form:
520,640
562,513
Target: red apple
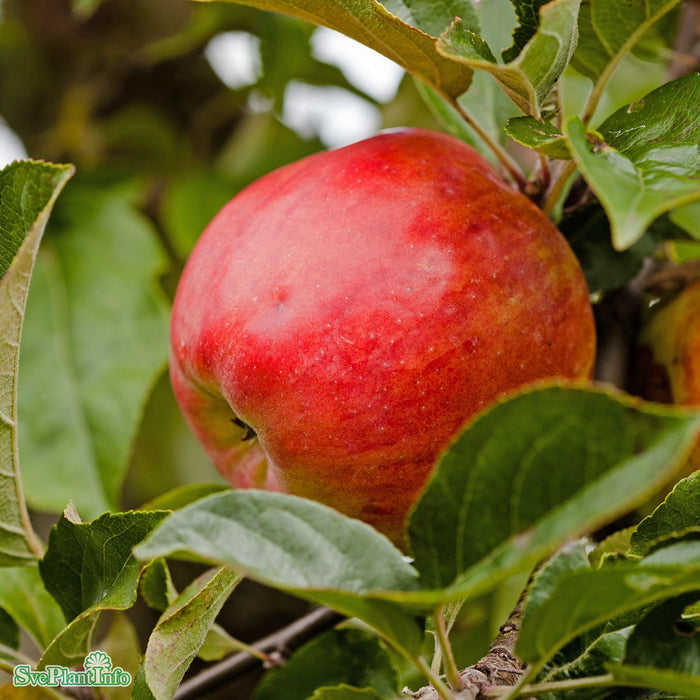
668,357
356,308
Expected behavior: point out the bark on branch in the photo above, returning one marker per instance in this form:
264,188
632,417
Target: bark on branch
500,667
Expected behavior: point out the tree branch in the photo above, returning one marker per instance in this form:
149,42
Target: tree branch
278,645
498,669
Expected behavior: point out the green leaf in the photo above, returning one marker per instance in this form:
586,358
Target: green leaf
688,218
529,77
588,231
528,14
183,495
609,28
590,652
645,160
218,643
297,545
346,656
370,23
156,585
681,685
659,639
182,629
284,541
542,137
660,654
87,564
434,18
588,655
584,599
24,598
9,632
189,204
568,460
89,568
345,692
678,515
28,191
95,340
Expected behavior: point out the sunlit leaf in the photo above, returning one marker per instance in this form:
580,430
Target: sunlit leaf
645,158
370,23
89,568
182,629
434,17
28,191
594,596
529,77
609,28
296,545
567,460
677,516
542,137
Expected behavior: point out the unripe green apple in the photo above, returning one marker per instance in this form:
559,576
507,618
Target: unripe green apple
356,308
668,357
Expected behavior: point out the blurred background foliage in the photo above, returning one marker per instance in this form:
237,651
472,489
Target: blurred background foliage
167,108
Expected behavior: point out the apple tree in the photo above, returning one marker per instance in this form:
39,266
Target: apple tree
554,551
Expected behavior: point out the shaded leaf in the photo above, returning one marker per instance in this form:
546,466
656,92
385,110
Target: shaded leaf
89,568
181,631
684,685
660,640
645,160
528,14
346,656
592,597
345,692
122,645
589,655
156,586
542,137
95,340
183,495
370,23
678,515
28,191
9,632
569,460
23,596
609,28
529,77
588,231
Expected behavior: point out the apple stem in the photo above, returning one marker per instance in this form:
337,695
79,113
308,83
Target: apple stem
508,162
558,188
545,173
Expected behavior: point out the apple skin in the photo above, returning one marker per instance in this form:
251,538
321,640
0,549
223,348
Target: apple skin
357,307
667,363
